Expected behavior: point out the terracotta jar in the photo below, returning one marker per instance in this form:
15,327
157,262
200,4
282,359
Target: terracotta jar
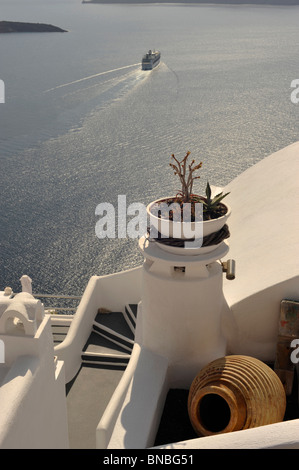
233,393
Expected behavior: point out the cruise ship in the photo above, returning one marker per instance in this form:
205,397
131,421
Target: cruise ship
150,60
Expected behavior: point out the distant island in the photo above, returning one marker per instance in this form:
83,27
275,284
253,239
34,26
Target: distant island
17,27
218,2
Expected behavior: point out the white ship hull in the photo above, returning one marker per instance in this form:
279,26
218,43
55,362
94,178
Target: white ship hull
151,60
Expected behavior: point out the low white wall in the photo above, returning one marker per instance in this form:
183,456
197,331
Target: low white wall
111,292
264,242
133,414
121,426
137,424
32,396
120,289
273,436
106,425
69,351
251,326
33,409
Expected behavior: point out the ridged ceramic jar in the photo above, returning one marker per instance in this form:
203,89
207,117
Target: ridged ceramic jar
234,393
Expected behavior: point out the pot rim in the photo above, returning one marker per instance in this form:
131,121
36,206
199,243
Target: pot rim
151,204
228,396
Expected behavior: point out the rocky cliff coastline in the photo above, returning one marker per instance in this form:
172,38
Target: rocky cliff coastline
17,27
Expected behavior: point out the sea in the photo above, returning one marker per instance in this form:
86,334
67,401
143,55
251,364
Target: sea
82,124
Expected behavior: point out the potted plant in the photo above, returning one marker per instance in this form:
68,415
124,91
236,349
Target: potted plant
180,216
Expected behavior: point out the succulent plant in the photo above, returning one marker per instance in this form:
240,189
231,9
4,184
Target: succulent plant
212,206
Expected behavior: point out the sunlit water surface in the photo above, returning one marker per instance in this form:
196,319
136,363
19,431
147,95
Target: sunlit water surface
82,123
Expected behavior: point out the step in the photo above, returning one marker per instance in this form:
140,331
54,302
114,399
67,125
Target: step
97,360
98,344
130,315
59,333
114,327
100,351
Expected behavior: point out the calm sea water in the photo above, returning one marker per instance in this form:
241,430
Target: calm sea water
83,124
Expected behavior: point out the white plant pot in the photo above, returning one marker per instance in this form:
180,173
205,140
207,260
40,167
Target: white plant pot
182,230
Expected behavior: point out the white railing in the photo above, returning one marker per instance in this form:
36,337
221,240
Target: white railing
61,297
55,309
